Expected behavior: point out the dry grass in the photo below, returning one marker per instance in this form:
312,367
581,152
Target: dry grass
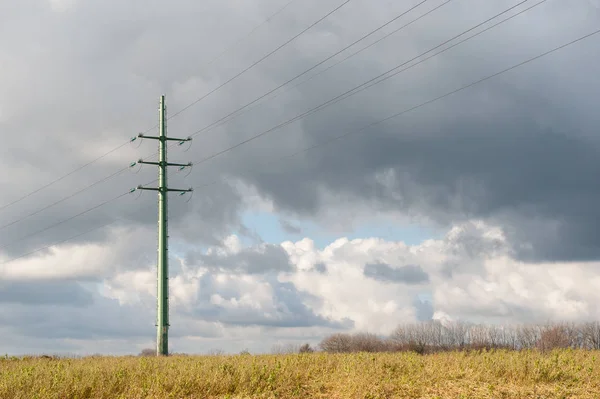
495,374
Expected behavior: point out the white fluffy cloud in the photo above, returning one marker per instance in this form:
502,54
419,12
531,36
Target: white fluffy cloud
471,275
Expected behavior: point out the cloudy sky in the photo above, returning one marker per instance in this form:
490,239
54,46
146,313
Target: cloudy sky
480,206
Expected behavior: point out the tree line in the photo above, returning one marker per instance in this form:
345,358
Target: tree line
434,336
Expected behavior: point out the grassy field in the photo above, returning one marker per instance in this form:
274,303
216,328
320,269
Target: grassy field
495,374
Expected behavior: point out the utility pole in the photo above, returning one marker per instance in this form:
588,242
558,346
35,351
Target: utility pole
162,297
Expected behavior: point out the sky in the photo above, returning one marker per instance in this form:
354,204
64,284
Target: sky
309,215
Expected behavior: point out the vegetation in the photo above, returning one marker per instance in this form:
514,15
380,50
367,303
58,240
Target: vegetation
563,373
430,337
424,360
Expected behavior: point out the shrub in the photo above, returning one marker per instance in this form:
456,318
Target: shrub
337,343
306,348
148,352
359,342
553,337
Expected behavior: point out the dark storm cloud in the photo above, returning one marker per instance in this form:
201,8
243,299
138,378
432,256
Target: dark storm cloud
514,173
520,151
77,110
409,274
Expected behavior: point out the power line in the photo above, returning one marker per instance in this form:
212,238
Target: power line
71,196
323,143
218,122
177,113
74,216
172,116
259,61
63,177
146,131
59,242
257,27
316,109
63,199
66,220
229,117
359,51
269,18
364,128
162,320
373,81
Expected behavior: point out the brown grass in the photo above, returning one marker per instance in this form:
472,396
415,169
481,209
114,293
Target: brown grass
494,374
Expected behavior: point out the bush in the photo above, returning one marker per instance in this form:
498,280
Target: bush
359,342
306,348
553,337
148,352
366,342
591,335
433,336
284,349
337,343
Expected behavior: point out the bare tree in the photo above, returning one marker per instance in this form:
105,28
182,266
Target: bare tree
494,336
457,334
148,352
366,342
306,348
431,336
574,334
416,337
435,335
285,349
478,336
528,336
553,337
337,343
400,335
591,335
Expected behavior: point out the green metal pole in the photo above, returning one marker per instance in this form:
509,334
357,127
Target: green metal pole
162,273
162,333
